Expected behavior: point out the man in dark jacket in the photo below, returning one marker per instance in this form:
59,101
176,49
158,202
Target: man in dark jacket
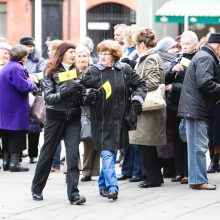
198,96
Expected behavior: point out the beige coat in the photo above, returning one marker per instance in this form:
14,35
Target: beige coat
151,125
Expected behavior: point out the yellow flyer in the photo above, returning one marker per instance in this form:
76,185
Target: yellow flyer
108,89
68,75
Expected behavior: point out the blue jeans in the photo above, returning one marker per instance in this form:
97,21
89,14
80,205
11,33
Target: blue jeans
107,176
197,141
131,165
56,158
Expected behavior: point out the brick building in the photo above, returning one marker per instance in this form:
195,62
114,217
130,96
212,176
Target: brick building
61,18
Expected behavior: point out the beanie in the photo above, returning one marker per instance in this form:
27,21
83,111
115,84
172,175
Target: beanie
165,44
5,46
214,38
27,41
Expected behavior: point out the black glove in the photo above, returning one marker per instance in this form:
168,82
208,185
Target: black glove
91,96
71,87
136,105
132,63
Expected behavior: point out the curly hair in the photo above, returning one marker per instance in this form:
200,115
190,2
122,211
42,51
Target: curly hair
112,46
147,36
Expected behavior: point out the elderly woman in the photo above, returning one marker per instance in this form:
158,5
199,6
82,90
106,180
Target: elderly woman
107,110
4,53
91,162
62,94
151,125
14,121
174,80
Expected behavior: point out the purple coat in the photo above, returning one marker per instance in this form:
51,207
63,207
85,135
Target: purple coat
14,102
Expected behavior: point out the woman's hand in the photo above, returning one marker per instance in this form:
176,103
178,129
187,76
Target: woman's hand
177,68
168,88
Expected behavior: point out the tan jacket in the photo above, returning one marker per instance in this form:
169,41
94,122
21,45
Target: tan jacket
151,125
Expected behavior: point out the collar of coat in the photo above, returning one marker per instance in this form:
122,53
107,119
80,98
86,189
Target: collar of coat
211,51
117,65
147,53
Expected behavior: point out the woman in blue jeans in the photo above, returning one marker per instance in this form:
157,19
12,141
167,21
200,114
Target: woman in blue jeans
110,82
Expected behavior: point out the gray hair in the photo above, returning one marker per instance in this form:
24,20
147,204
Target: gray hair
120,25
81,48
190,34
18,52
87,42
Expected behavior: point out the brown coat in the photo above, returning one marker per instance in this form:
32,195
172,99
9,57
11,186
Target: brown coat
151,125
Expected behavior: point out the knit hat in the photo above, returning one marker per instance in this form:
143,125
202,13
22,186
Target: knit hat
165,44
214,38
5,46
27,41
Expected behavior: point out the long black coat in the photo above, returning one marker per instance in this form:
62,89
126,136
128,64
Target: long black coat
109,131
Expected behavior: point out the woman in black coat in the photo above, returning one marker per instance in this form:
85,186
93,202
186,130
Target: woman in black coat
62,94
114,80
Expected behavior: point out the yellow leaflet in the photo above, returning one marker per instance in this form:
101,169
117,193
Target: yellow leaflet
68,75
108,89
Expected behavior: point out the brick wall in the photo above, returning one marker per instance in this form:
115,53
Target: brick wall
19,17
19,20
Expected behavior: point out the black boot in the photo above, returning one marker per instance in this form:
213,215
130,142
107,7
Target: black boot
6,161
214,166
14,165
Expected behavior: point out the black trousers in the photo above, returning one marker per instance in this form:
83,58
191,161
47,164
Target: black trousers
13,141
150,165
54,131
180,147
33,141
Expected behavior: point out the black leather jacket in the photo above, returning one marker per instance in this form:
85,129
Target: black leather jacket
56,107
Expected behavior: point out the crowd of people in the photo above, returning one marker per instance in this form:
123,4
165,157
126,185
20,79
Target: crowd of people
110,87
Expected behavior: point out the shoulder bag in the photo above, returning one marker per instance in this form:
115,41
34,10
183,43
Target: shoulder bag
154,99
38,109
85,133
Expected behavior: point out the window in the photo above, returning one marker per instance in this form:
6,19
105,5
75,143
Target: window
2,19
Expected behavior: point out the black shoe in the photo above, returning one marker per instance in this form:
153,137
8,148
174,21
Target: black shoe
33,160
86,178
78,200
6,165
176,179
37,196
112,194
184,180
146,184
17,168
103,192
123,177
135,179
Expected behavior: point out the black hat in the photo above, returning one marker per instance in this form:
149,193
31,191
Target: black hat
27,41
214,38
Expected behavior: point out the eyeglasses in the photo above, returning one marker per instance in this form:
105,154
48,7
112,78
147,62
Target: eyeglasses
104,54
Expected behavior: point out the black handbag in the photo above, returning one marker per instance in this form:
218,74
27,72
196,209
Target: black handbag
85,133
131,117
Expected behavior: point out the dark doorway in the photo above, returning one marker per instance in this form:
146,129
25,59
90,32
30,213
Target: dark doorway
102,19
52,22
